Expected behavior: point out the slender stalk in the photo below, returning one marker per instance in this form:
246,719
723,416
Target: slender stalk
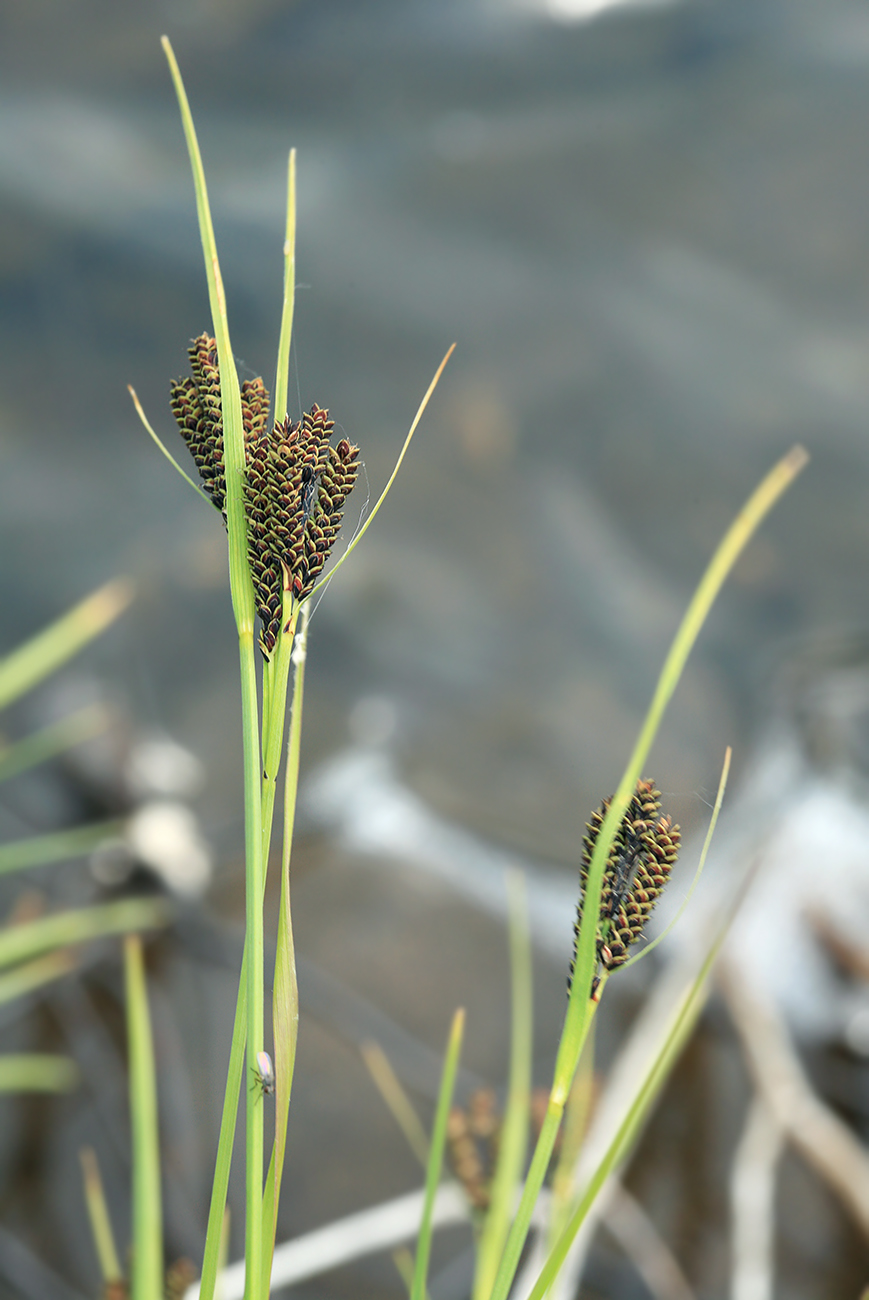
401,455
98,1213
20,943
286,335
37,1072
56,846
713,822
436,1154
255,1287
285,1002
211,1259
147,1261
34,974
55,739
514,1131
43,654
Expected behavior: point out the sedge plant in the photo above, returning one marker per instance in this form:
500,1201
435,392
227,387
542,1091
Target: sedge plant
280,486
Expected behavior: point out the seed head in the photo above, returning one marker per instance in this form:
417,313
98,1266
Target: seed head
638,866
296,482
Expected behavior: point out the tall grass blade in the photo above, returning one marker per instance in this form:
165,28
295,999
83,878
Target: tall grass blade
147,1254
577,1114
397,1101
98,1214
57,846
214,1235
514,1131
34,974
44,653
49,742
286,335
401,455
285,1003
21,943
163,448
37,1072
704,852
436,1154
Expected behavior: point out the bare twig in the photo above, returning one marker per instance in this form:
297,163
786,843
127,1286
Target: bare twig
826,1143
752,1199
627,1221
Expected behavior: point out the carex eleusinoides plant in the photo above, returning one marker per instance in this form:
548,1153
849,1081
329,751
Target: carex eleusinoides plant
296,482
637,868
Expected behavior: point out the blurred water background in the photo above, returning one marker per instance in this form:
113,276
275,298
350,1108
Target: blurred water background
647,228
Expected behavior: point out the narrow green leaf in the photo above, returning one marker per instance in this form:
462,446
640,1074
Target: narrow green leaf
380,500
147,1253
163,448
33,974
285,1002
21,943
436,1153
214,1235
98,1214
713,822
286,334
397,1101
58,846
44,653
230,394
514,1130
50,741
577,1113
37,1072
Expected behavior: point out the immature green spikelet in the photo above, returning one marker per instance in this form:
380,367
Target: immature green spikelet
296,482
637,869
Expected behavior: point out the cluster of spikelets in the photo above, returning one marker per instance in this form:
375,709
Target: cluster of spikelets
474,1139
638,867
296,482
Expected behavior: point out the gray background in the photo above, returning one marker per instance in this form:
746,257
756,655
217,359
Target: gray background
648,235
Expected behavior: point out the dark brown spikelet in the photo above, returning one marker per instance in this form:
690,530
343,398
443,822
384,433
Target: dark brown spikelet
638,867
297,486
196,406
296,482
324,522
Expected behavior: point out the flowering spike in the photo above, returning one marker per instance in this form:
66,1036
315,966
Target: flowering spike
641,856
296,482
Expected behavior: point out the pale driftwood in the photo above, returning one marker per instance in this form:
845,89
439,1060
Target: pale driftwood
752,1202
815,1131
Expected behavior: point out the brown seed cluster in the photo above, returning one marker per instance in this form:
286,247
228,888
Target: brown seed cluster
638,867
296,482
472,1145
474,1137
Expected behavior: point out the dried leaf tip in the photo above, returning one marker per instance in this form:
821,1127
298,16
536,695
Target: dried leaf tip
638,867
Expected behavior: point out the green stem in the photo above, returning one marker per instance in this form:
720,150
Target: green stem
147,1267
254,946
285,1003
577,1024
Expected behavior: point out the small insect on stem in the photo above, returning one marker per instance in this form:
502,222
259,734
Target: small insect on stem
265,1074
